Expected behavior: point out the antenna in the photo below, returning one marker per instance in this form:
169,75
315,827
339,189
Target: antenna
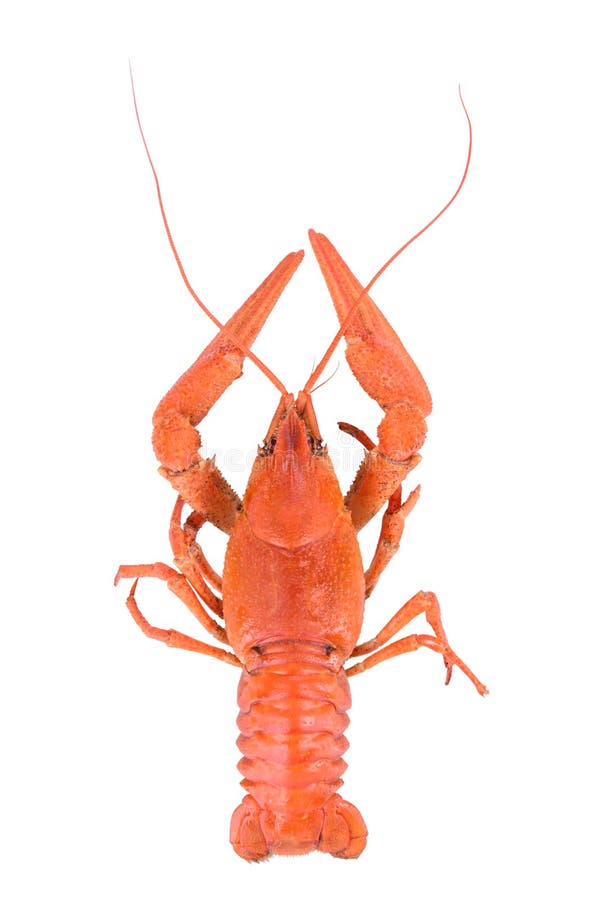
329,352
257,362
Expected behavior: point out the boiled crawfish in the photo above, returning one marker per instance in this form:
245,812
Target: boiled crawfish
293,589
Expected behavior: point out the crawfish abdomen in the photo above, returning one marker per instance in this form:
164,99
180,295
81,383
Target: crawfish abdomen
293,698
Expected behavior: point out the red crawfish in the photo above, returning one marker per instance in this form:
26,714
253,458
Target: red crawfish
293,589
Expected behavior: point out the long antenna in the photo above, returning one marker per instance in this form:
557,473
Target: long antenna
329,352
257,362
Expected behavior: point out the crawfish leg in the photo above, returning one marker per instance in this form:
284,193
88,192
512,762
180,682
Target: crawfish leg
190,558
175,439
388,374
392,524
392,527
179,586
173,638
425,602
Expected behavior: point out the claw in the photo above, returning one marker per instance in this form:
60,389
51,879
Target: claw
175,439
387,373
375,353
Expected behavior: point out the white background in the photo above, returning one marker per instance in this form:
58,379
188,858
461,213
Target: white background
266,119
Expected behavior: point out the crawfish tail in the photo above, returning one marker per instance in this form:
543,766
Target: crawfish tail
292,720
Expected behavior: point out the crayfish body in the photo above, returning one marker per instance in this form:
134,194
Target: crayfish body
293,590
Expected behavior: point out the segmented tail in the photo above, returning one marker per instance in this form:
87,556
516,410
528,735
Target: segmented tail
292,720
